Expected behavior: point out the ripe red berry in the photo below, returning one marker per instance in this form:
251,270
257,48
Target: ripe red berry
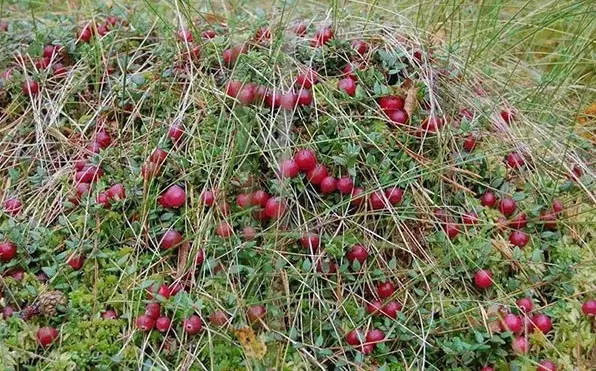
256,313
8,251
359,46
519,238
116,191
288,100
310,241
249,233
244,200
306,79
589,308
13,206
46,336
326,266
246,96
507,206
322,37
557,206
218,318
469,218
289,169
374,307
357,197
511,322
162,324
59,70
525,304
7,312
305,159
451,230
30,88
175,132
299,29
200,257
170,239
385,289
519,222
546,365
233,88
399,117
470,142
209,34
192,325
375,336
260,198
431,124
377,200
508,116
275,208
85,34
349,71
224,230
488,199
348,86
391,309
328,185
487,368
153,310
174,197
391,103
317,174
345,185
542,322
145,323
185,36
76,261
109,314
357,252
394,195
549,221
207,197
514,160
520,345
103,199
354,337
158,156
304,97
483,278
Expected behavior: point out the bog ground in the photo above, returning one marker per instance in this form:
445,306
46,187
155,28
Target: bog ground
292,185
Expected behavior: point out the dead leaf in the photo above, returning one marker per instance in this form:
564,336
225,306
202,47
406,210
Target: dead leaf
254,347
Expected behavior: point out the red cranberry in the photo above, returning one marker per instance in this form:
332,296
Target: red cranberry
359,46
391,103
507,206
377,200
470,142
306,79
508,116
192,325
246,96
546,365
305,159
76,261
289,169
317,174
310,241
170,239
394,195
153,310
109,314
488,199
391,309
275,208
8,251
174,197
357,252
345,185
354,337
30,88
385,289
256,313
219,318
117,191
207,197
512,323
558,206
249,233
175,132
374,307
469,218
542,322
304,97
431,124
483,279
288,100
519,239
322,37
163,324
145,323
185,36
348,86
520,345
589,308
224,230
260,198
46,336
451,230
357,197
375,336
525,304
328,185
514,160
103,199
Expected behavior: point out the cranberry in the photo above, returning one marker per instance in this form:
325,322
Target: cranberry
224,230
304,97
374,307
322,37
470,142
488,199
192,325
558,206
375,336
306,79
162,324
8,251
145,323
507,206
514,160
512,323
207,197
305,159
185,36
299,29
103,199
394,195
7,312
451,230
117,191
519,222
218,318
508,116
317,174
520,345
469,218
256,313
391,309
249,233
171,239
46,336
391,103
525,304
345,185
109,314
359,46
174,197
431,124
385,289
546,365
483,279
30,88
589,308
310,241
288,100
399,117
289,169
487,368
357,197
542,322
354,337
233,88
153,310
377,200
549,221
348,86
275,208
209,34
328,185
246,96
175,132
357,252
76,261
200,257
519,238
260,198
158,156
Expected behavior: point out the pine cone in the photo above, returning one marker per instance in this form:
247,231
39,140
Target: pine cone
48,301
